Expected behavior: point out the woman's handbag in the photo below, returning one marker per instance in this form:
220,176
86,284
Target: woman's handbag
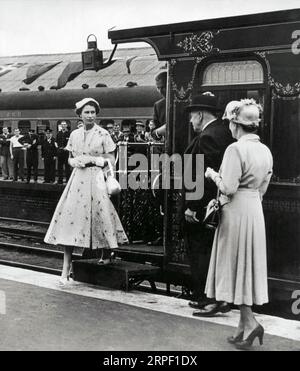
112,185
212,216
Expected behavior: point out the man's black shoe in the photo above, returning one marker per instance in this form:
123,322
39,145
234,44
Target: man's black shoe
211,309
200,304
194,304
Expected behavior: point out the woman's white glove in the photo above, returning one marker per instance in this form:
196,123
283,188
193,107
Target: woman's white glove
76,162
210,173
100,161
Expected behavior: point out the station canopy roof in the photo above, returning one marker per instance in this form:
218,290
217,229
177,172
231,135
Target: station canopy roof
133,65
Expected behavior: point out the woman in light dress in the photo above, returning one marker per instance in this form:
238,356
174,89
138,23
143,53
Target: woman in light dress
238,265
85,217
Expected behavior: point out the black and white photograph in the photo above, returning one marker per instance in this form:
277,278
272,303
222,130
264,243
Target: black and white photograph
149,178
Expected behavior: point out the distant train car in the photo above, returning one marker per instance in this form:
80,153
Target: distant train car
37,110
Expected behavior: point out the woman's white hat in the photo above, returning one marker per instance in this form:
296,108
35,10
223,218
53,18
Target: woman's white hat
230,109
248,113
85,101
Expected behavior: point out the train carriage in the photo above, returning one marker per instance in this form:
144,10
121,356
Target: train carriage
36,110
246,56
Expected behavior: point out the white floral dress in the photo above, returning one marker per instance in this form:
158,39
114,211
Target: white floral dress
85,217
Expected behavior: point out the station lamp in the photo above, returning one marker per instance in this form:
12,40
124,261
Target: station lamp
92,58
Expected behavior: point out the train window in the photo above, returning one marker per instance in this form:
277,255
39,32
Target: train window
40,129
235,80
285,139
233,73
24,126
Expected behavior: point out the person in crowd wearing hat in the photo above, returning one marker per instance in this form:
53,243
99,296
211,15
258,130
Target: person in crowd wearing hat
32,159
118,135
17,149
85,216
6,162
139,136
63,166
213,137
238,266
110,129
49,153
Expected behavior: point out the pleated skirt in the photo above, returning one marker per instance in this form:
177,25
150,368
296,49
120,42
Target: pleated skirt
238,265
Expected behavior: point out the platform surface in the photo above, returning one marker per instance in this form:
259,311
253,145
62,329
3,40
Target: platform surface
35,314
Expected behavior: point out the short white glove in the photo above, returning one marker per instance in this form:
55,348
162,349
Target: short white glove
99,161
210,173
75,162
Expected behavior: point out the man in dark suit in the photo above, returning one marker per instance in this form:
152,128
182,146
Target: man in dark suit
62,154
32,160
213,137
158,133
49,152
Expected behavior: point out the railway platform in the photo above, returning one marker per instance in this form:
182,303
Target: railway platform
36,314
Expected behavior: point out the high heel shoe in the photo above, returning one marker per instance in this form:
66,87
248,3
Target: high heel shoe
258,332
235,339
65,281
112,257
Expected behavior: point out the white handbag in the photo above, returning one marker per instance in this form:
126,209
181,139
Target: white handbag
113,187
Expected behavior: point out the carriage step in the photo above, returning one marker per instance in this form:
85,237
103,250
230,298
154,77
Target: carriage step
120,274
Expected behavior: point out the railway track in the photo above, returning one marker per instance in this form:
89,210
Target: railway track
33,258
22,246
23,228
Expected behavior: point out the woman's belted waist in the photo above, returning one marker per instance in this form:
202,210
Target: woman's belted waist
90,164
252,190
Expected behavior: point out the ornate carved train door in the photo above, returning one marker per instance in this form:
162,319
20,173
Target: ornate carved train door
229,80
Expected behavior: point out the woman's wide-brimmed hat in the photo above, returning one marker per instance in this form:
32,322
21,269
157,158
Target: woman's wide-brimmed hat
205,101
84,102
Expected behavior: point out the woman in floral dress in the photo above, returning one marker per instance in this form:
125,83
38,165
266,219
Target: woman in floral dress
85,217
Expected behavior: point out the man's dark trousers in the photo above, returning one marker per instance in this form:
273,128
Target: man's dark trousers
32,163
18,160
62,164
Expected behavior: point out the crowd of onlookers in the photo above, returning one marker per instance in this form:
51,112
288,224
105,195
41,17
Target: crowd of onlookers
140,132
19,150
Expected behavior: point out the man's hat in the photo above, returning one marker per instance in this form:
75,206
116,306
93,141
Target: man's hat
140,123
205,101
48,130
85,101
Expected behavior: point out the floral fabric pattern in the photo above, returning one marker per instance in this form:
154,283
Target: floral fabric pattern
85,216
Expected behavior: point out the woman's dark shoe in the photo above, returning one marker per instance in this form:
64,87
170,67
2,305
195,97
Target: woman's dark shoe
258,332
235,339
